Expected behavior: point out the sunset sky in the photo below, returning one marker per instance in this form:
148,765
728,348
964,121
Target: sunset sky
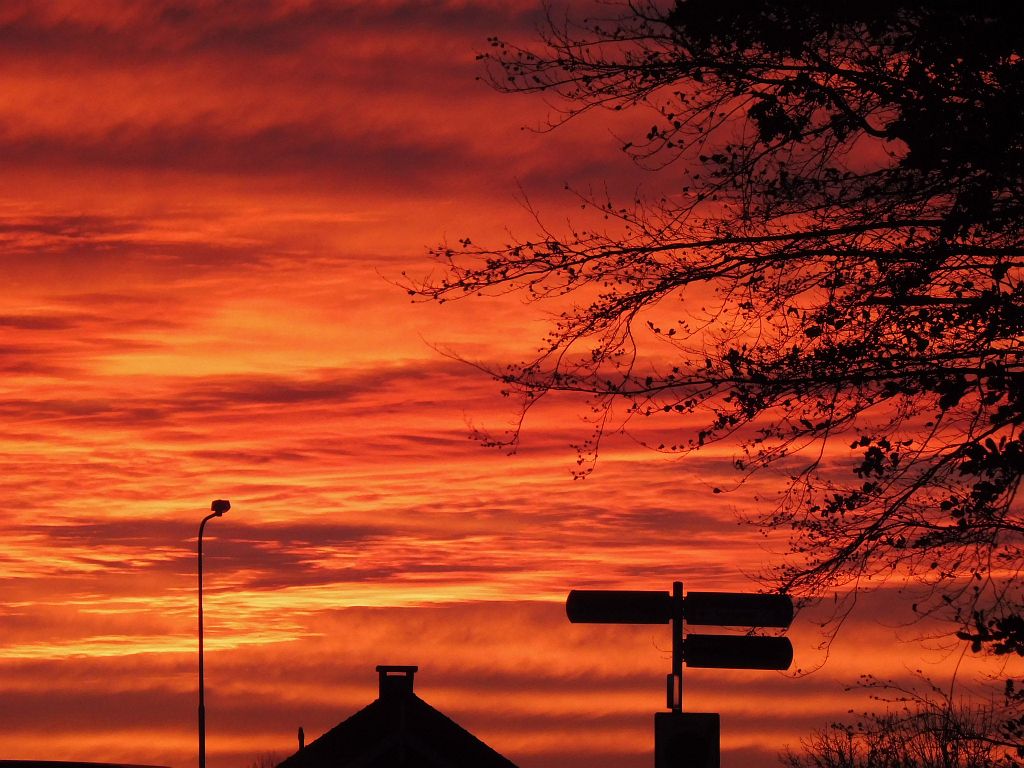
205,207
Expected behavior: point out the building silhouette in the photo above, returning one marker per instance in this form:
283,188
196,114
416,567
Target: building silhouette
398,730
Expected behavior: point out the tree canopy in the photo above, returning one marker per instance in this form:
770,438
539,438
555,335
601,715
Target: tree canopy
833,279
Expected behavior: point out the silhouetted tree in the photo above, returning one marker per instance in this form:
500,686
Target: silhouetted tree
929,730
833,280
914,740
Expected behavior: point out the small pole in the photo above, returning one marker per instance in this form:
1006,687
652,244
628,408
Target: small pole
675,693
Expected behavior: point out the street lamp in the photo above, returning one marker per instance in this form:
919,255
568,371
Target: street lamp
219,507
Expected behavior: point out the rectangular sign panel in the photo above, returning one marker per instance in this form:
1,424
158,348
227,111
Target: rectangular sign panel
737,652
688,739
608,606
737,609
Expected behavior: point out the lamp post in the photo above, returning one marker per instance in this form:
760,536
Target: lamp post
218,507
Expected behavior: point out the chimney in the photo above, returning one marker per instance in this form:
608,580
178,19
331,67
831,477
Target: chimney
395,680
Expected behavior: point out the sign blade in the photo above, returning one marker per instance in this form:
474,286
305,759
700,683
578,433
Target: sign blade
606,606
737,652
737,609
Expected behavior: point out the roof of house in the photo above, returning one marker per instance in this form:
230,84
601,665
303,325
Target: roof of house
398,730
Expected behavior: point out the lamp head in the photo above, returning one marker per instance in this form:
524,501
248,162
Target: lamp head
220,506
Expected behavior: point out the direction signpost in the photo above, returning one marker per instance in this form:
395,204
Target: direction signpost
691,739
